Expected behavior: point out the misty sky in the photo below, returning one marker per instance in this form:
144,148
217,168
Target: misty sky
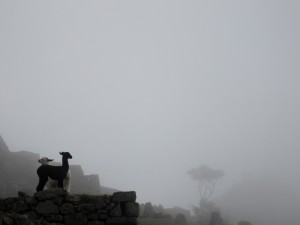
141,91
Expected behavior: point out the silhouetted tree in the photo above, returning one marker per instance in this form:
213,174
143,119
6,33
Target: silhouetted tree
207,179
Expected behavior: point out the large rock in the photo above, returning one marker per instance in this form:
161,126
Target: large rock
46,207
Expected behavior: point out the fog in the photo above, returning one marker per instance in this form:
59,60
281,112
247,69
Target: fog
142,91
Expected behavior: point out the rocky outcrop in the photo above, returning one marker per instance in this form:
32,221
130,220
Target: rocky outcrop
58,207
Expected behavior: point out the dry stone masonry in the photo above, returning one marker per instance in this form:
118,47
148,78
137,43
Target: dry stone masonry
60,208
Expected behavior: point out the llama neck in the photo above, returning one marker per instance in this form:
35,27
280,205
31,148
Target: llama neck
65,163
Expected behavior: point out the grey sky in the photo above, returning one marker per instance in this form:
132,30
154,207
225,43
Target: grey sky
141,91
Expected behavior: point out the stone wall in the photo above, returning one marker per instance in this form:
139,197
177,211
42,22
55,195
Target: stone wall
59,208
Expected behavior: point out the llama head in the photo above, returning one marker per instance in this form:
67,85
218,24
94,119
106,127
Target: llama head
66,155
44,160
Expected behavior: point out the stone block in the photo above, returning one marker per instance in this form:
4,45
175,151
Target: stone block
21,206
92,216
58,200
72,198
7,220
10,203
101,212
100,203
131,209
46,207
31,201
110,206
21,219
102,217
129,196
86,208
55,218
116,211
66,208
31,215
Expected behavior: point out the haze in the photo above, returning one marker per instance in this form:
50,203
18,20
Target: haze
141,91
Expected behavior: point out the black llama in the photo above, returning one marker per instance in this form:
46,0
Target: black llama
58,173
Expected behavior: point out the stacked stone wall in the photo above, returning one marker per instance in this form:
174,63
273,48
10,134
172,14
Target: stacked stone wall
59,208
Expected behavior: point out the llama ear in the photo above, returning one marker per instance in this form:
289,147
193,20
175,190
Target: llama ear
50,160
61,153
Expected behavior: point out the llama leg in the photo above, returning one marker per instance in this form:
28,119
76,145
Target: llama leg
61,183
67,185
42,182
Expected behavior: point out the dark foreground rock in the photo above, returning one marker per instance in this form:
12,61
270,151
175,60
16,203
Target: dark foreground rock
59,208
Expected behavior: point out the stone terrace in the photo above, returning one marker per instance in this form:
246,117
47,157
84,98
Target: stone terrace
60,208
